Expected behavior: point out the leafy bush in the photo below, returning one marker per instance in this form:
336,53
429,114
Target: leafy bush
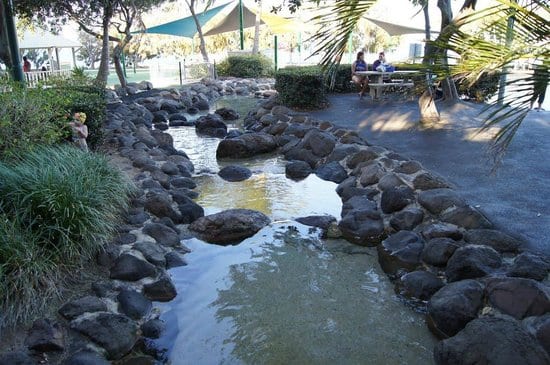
301,87
482,89
245,66
58,206
30,117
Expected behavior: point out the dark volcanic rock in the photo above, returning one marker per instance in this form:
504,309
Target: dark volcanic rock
371,174
518,297
153,328
407,220
539,327
80,306
436,230
427,181
45,336
247,145
361,156
297,170
173,259
227,114
390,181
183,182
453,306
531,266
438,200
153,252
321,221
190,212
395,199
16,358
162,290
116,333
211,125
332,171
400,251
491,341
230,226
472,261
86,357
408,167
130,268
341,151
163,234
466,217
361,222
133,304
161,206
235,173
320,143
498,240
419,285
438,251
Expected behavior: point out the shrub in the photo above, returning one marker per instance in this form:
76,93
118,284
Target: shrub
482,89
245,66
301,87
30,117
58,206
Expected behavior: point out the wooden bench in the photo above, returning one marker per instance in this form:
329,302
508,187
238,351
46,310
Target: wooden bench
376,89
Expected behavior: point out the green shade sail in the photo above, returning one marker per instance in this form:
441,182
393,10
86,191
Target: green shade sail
184,27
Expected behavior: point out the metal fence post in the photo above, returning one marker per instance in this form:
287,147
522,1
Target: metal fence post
181,80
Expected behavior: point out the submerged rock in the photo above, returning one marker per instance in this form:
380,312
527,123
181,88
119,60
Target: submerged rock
235,173
247,145
230,226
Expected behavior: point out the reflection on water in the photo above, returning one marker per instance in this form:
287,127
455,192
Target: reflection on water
282,296
286,297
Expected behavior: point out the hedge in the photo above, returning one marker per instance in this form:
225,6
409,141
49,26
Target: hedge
302,87
245,66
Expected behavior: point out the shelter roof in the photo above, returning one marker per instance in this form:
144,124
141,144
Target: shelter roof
43,40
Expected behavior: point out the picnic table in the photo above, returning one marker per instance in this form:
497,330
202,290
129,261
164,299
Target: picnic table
394,80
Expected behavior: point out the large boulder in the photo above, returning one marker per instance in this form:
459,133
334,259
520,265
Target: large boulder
361,156
453,306
531,266
45,336
321,221
247,145
491,341
320,143
84,357
467,217
211,125
438,200
518,297
230,226
77,307
161,206
227,113
419,285
116,333
438,251
400,251
361,222
396,198
164,235
235,173
472,261
426,181
131,268
161,290
406,220
498,240
133,304
297,170
332,171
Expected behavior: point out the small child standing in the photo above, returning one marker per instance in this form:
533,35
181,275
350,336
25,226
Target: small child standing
80,131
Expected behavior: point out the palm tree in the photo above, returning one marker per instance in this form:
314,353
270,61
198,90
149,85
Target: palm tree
477,55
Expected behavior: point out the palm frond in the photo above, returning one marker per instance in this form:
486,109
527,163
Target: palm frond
478,53
337,22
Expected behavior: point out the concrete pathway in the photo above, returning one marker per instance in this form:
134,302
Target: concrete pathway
516,197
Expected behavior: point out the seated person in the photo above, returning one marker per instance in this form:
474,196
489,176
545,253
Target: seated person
381,65
362,81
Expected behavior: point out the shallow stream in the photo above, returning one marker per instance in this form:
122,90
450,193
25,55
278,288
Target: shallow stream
283,296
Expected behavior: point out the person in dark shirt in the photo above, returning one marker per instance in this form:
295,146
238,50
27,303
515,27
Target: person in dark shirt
26,64
381,61
362,81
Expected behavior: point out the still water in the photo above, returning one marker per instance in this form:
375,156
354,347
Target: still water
283,296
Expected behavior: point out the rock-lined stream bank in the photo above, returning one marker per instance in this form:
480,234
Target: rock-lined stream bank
481,293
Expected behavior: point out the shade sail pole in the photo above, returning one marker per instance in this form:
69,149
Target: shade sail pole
241,30
275,51
17,71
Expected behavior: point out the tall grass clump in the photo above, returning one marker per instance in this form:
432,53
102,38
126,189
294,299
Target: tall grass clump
69,198
26,270
58,206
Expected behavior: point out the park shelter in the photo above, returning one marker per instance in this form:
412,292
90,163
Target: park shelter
50,42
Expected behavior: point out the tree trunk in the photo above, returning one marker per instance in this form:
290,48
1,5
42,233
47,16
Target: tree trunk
103,71
449,88
117,52
428,110
427,29
202,45
256,46
5,56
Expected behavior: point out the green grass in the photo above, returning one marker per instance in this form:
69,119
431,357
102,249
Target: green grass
59,205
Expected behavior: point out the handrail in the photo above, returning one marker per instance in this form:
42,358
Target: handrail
33,78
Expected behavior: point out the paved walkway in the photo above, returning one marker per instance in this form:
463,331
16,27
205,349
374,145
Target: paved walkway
516,198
